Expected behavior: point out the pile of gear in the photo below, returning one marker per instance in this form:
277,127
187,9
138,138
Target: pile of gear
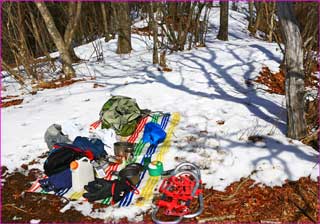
81,164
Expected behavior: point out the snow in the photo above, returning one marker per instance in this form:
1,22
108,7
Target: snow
206,85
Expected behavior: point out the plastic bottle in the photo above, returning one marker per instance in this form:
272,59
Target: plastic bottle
82,173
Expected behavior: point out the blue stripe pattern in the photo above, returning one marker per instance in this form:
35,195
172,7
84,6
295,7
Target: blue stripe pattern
62,191
151,150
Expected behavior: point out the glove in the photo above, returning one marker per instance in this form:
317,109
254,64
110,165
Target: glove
98,189
122,188
101,189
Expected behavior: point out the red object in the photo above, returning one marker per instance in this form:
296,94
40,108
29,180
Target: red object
177,194
94,125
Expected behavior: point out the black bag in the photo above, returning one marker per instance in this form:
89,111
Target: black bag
60,158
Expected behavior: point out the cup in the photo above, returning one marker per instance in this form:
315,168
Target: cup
124,150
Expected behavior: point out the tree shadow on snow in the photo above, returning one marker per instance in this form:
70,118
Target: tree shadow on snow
213,71
275,149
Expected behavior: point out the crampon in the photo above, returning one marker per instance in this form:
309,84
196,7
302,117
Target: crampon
178,191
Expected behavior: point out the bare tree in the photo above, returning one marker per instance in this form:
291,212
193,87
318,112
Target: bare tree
106,19
15,37
74,12
155,58
124,27
58,40
251,17
224,14
294,82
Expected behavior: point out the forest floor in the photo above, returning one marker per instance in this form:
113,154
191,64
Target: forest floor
242,201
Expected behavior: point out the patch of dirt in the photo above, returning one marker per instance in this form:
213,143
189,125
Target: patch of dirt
23,207
242,201
10,103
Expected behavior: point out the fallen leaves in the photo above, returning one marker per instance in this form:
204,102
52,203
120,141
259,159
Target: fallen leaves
96,85
143,31
256,138
56,83
274,81
11,103
220,122
245,201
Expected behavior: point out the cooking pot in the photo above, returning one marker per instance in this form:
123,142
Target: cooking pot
124,149
131,172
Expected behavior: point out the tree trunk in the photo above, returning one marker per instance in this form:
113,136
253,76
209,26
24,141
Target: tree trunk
173,11
294,82
107,36
259,17
13,72
234,6
251,16
155,58
57,39
269,10
39,38
124,28
74,12
224,14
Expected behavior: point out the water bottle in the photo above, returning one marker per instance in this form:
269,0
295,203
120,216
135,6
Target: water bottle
82,173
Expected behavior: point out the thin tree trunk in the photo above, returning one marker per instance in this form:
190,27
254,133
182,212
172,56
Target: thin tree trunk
57,39
224,14
39,38
187,26
23,53
234,6
105,22
294,82
13,72
74,12
271,23
259,16
155,58
251,16
124,28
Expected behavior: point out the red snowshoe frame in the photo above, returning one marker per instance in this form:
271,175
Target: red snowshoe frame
178,192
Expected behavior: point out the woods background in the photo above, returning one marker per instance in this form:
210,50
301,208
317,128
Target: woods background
32,31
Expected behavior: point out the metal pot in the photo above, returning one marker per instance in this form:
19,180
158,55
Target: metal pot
132,172
124,149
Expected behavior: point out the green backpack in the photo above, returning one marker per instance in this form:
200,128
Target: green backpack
122,114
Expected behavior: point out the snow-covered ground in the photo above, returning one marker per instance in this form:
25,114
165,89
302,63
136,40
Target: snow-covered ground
206,85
